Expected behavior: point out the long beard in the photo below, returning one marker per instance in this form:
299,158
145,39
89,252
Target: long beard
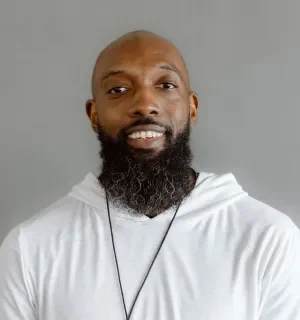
143,184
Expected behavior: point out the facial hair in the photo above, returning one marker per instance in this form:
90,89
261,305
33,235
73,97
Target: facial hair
140,183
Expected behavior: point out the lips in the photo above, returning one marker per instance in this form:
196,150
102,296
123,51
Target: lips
146,137
146,128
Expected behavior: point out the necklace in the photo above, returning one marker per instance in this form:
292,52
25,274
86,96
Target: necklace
128,315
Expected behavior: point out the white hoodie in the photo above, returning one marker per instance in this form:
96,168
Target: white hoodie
227,256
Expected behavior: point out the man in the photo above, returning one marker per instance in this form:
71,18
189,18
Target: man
149,238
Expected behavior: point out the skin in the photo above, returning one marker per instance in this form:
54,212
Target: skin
141,75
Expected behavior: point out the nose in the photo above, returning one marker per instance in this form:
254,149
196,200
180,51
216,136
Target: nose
145,103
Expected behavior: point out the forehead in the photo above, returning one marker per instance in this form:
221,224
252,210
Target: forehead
140,56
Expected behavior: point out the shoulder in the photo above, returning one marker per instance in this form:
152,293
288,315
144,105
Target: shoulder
53,219
50,224
271,234
263,216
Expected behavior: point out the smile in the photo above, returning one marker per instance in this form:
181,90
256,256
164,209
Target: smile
145,135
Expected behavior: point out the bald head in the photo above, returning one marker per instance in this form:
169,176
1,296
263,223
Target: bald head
134,46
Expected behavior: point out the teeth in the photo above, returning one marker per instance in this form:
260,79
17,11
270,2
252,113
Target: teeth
145,134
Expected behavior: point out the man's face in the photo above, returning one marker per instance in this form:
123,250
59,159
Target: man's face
142,111
141,93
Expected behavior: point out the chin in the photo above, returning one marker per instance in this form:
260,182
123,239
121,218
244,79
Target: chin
145,153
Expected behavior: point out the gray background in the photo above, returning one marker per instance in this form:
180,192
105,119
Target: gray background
243,57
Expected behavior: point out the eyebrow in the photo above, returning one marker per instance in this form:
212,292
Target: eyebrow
112,73
171,68
122,71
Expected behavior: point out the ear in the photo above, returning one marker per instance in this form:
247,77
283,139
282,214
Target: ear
194,102
91,112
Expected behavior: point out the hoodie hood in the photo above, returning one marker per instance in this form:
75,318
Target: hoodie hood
210,194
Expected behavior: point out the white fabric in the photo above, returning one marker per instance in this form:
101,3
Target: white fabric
227,256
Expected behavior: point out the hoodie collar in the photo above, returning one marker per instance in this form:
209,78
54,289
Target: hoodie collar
210,194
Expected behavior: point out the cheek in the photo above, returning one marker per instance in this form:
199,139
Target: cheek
178,113
110,121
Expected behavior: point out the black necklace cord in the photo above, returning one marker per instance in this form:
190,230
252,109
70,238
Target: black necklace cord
127,316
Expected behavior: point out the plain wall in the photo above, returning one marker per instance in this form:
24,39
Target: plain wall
243,58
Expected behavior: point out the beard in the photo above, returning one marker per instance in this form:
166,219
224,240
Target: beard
143,183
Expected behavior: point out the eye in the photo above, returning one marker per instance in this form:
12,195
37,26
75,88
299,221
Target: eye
117,90
167,85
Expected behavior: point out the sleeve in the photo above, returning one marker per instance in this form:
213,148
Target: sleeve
281,297
15,300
